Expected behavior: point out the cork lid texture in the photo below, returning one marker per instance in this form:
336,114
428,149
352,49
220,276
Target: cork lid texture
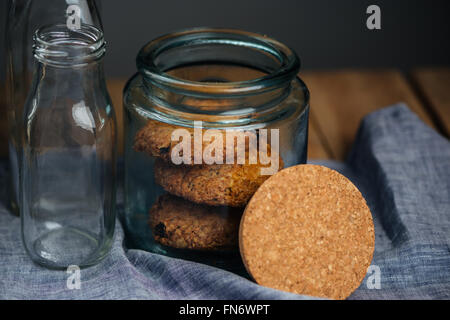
308,230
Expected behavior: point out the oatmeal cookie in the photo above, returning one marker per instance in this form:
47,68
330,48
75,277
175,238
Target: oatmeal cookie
179,223
155,140
215,185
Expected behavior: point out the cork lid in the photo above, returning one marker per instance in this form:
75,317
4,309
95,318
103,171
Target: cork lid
308,230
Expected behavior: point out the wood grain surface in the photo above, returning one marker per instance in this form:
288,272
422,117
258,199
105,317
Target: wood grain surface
434,85
340,99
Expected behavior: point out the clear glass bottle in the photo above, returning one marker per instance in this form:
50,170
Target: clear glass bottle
24,17
231,81
68,164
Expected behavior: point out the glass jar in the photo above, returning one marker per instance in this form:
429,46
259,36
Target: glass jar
24,17
68,162
185,190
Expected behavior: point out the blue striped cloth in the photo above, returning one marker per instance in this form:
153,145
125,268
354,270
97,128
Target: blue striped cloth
400,165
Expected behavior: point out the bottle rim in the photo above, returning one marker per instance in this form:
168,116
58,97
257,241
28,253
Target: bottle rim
287,69
58,45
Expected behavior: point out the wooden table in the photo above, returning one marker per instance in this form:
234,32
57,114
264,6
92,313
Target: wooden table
340,99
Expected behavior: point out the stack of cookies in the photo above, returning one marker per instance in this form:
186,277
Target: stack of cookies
204,202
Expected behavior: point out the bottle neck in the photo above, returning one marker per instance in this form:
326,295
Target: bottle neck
69,62
66,81
57,45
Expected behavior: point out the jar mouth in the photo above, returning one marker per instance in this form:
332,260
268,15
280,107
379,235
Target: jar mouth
278,63
57,45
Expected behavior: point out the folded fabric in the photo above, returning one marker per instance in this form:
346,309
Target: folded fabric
401,166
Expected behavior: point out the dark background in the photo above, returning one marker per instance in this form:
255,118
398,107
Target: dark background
327,34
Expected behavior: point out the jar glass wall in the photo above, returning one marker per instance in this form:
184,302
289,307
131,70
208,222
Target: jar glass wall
185,190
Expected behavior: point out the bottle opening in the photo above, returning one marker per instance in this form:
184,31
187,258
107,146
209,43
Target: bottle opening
58,45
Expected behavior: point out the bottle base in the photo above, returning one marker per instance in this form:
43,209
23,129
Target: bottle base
68,246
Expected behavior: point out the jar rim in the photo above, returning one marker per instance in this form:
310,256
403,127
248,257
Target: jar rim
289,62
58,45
